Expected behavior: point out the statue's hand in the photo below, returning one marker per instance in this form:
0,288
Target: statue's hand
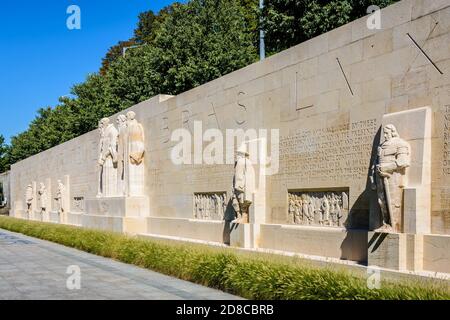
383,171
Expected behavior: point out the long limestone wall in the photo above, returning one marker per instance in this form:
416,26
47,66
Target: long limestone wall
328,131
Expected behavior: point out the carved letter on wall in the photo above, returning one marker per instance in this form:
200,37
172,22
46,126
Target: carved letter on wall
241,114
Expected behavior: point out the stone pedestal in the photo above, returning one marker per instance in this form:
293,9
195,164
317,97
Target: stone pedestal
117,214
241,235
398,251
118,206
387,250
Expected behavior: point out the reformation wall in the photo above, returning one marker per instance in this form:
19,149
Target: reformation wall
338,147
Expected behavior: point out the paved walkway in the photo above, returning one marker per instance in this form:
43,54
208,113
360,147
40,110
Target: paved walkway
35,269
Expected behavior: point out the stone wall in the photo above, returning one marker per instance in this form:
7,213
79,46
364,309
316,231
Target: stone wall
328,132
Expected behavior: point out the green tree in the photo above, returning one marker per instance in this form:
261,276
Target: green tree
201,41
290,22
114,53
4,155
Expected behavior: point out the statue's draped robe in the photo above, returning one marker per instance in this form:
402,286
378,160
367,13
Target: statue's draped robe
108,154
123,160
136,150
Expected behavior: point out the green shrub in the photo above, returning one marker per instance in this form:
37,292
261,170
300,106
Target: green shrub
249,275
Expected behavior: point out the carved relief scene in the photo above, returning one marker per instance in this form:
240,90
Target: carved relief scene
210,206
321,208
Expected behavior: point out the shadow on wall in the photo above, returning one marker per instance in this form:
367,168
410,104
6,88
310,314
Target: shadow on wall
376,240
229,216
366,209
364,215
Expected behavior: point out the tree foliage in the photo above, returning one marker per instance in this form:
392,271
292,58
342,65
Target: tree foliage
4,161
290,22
181,47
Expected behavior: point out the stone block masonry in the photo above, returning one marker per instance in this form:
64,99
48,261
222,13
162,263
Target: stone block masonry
356,120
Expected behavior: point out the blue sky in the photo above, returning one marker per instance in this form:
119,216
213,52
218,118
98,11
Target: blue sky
40,58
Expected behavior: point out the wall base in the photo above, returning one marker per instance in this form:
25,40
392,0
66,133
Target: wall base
316,241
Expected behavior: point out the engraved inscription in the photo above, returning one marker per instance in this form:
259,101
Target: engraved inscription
446,151
337,153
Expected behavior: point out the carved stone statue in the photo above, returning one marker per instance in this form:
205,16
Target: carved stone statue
243,186
136,152
43,198
60,195
122,156
29,197
107,159
388,172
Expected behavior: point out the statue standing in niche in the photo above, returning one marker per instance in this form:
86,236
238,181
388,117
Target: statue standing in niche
393,158
243,186
29,195
136,152
122,156
107,159
43,198
60,194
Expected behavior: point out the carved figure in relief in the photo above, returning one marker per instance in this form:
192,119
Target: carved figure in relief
107,159
243,186
43,198
311,210
60,197
305,208
388,172
136,154
219,206
291,217
196,207
298,210
122,156
325,211
29,197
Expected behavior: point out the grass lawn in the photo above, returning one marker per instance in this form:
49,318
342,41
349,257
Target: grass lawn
252,276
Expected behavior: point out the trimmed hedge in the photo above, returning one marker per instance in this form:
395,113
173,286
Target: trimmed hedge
252,276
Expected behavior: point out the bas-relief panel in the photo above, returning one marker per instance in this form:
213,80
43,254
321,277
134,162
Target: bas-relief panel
210,205
78,204
318,208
